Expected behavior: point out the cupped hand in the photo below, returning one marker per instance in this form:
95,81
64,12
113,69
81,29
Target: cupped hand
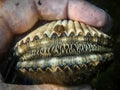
19,16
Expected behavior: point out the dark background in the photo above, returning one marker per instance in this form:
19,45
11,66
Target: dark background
110,78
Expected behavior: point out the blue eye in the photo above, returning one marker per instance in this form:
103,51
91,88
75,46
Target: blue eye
27,68
35,68
45,67
70,65
61,65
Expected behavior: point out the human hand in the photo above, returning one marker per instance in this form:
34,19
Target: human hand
17,17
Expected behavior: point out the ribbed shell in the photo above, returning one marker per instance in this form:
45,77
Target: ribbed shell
77,63
64,27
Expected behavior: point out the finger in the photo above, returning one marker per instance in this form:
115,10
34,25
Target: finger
52,9
5,36
79,10
86,12
20,15
4,86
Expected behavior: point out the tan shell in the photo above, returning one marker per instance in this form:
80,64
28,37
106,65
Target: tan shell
67,66
60,29
67,26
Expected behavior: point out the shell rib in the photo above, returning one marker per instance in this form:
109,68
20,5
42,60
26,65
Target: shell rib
66,27
61,48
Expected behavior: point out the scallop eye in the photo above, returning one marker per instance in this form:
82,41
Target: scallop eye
88,35
72,34
54,35
27,40
36,38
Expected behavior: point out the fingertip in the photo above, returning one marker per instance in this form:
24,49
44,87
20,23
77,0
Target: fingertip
88,13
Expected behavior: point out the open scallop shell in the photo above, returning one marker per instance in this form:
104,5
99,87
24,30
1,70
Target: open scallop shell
63,52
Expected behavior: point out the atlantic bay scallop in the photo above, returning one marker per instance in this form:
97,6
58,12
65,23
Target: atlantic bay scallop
63,52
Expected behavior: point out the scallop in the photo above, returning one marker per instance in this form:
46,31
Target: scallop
63,52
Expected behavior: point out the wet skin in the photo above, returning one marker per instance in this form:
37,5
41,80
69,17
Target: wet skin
18,16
